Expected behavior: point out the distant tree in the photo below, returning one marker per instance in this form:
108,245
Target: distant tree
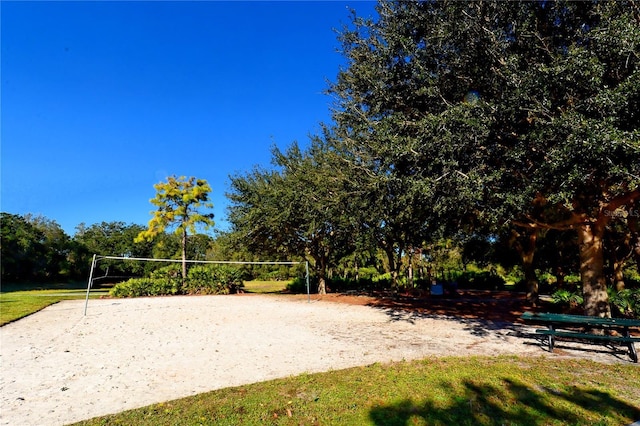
22,249
57,247
112,239
35,248
198,246
179,201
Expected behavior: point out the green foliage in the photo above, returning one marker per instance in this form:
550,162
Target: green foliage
302,207
33,248
213,279
299,285
139,287
476,115
567,298
113,239
178,201
626,302
485,280
22,249
368,272
201,279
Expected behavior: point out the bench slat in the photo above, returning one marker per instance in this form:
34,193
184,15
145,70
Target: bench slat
578,335
580,319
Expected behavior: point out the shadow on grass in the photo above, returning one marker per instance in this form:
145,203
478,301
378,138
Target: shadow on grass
514,403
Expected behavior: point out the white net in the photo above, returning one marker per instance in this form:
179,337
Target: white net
98,258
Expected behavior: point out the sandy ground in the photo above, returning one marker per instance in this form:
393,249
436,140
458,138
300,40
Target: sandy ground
59,367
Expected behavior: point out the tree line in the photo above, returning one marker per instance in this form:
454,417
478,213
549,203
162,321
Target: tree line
37,249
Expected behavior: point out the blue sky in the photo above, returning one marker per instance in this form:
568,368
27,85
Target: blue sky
101,100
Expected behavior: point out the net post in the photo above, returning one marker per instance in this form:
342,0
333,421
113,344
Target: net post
307,278
86,302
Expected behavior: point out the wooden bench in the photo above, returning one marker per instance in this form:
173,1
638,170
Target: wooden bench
579,327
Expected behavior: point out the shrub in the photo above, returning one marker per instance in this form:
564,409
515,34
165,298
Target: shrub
481,281
139,287
567,298
299,285
201,279
626,302
340,285
382,281
367,272
213,279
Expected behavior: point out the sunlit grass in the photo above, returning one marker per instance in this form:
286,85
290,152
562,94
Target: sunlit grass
19,304
504,390
265,286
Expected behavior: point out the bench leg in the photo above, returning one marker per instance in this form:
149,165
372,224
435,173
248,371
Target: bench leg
550,339
632,352
632,349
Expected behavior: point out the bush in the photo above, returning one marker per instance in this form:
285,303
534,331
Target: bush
213,279
207,279
567,298
299,285
626,302
341,285
139,287
481,281
367,272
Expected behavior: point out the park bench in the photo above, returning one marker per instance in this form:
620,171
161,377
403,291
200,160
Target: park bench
579,327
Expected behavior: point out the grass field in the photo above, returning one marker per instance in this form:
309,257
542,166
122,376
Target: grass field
504,390
16,304
265,286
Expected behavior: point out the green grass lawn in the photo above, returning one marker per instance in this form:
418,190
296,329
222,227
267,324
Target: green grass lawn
265,286
505,390
19,301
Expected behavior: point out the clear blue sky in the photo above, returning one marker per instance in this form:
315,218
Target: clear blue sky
101,100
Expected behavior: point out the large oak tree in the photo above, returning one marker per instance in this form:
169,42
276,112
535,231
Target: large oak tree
501,113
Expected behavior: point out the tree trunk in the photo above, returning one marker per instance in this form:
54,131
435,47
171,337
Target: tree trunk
184,258
321,268
528,253
357,271
560,277
618,276
394,267
410,270
594,287
527,249
533,286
